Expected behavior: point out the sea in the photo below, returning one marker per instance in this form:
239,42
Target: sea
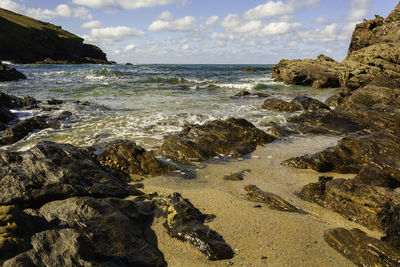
145,103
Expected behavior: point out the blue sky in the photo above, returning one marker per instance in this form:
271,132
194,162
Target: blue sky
208,31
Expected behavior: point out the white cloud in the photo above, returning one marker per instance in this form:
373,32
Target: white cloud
113,33
92,24
126,4
224,36
233,23
359,9
321,20
129,47
185,47
276,28
278,8
82,13
166,15
328,34
182,24
211,20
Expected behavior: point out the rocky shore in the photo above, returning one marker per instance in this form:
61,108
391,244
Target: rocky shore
63,205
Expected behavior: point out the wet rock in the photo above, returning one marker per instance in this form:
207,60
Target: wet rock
237,176
247,94
354,152
5,115
298,103
319,73
390,223
361,249
51,171
11,101
126,156
273,201
16,229
288,129
28,126
358,202
185,222
10,74
249,69
236,137
54,102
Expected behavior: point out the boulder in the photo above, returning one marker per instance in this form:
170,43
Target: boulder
11,101
300,102
247,94
51,171
361,249
273,201
10,74
26,127
185,222
5,115
126,156
236,137
319,73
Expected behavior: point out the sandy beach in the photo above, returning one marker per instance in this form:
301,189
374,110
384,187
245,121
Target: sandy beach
259,236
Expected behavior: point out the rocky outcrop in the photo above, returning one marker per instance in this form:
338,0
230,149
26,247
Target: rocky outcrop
236,137
319,73
185,222
11,101
26,40
10,74
361,249
127,157
301,102
273,201
247,94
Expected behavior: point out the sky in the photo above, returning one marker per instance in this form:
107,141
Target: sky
208,31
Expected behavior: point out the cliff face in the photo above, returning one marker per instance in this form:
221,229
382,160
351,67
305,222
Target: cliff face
26,40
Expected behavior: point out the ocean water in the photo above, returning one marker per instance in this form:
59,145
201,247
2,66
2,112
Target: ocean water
144,103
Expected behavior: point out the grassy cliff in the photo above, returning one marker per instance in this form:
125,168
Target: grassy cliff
26,40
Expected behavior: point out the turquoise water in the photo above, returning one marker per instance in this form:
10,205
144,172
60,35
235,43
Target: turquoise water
144,103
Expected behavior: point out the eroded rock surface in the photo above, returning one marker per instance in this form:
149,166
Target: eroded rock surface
298,103
236,137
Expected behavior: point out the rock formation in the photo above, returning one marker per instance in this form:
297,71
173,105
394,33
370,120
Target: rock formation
26,40
10,74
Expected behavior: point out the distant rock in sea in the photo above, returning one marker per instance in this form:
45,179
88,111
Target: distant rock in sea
26,40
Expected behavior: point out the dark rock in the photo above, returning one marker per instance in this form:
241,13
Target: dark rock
287,129
249,69
26,40
358,202
279,105
54,102
51,171
354,152
361,249
298,103
16,229
11,101
273,201
10,74
247,94
5,115
237,137
319,73
185,222
390,223
237,176
128,64
28,126
126,156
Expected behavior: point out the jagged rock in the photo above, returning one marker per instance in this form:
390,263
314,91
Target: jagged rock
11,101
280,131
94,232
358,202
126,156
247,94
26,40
390,223
10,74
320,73
273,201
5,115
16,229
237,137
51,171
298,103
185,222
237,176
28,126
354,152
55,102
361,249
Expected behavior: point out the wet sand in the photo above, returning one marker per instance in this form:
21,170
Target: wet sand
259,236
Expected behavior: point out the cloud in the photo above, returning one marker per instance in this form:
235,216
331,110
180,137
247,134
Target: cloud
92,24
61,10
321,20
185,47
182,24
224,36
277,8
113,33
166,15
211,20
328,34
126,4
358,9
129,47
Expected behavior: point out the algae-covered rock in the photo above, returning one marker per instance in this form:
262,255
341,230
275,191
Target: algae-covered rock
126,156
361,249
236,137
26,40
273,201
185,222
